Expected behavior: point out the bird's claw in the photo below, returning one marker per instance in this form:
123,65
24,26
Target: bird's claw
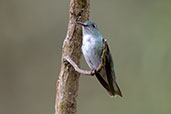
93,72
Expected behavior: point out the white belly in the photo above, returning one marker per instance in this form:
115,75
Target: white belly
91,51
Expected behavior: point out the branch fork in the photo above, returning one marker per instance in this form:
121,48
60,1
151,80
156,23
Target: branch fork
92,71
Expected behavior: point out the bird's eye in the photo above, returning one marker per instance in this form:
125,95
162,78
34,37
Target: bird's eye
93,25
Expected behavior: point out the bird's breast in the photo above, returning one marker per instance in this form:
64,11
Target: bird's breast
91,51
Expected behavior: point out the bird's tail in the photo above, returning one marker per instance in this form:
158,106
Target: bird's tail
112,92
116,91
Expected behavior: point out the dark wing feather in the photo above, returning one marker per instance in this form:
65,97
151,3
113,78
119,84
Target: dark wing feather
103,82
109,72
107,79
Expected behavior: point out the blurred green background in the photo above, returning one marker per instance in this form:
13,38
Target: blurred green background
139,35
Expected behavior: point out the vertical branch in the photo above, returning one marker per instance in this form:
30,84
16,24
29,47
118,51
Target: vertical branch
68,80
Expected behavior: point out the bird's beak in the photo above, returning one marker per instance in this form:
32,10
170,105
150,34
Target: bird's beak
80,23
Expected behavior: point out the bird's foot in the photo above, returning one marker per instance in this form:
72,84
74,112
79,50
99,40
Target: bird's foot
93,72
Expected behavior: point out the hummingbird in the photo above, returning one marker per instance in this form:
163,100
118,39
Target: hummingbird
92,48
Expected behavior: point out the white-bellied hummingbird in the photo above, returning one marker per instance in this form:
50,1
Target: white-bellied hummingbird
92,48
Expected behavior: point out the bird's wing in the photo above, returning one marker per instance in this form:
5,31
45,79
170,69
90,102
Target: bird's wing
104,83
107,75
109,69
109,66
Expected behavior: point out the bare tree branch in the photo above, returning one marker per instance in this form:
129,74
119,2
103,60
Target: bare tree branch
92,71
85,72
68,80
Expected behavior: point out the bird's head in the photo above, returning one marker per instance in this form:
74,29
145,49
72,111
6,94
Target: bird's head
89,27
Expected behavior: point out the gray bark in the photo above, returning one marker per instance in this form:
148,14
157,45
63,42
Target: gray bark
68,79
